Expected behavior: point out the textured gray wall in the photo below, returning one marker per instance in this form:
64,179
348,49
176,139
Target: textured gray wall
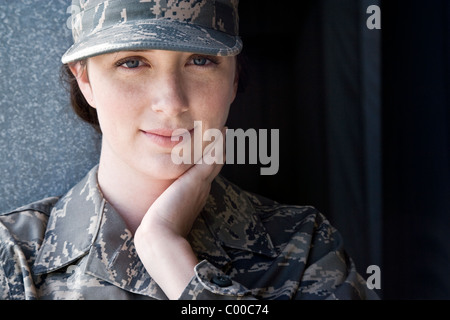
44,148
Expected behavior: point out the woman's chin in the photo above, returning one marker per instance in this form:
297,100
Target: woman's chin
165,170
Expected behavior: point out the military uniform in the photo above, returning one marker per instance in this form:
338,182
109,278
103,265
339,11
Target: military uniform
78,247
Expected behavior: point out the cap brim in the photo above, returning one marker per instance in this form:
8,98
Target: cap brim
155,34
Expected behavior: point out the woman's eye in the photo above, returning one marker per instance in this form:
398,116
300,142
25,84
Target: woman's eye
203,61
200,61
131,64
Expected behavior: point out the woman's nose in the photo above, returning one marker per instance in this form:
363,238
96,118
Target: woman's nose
168,95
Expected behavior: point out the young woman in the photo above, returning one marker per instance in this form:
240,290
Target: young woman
140,226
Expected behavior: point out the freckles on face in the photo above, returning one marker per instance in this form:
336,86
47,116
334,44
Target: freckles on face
211,103
146,90
167,83
114,98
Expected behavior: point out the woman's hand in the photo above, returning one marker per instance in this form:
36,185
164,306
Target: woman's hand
161,238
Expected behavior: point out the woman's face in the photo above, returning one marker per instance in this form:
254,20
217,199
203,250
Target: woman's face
141,97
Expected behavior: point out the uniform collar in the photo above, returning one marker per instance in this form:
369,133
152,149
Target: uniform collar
72,226
83,223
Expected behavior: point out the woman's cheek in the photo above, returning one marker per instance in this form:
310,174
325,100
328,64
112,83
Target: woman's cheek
213,104
121,97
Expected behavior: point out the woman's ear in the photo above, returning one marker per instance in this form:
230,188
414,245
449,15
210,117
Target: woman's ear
79,70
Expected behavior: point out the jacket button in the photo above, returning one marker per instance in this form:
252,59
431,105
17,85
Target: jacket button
222,281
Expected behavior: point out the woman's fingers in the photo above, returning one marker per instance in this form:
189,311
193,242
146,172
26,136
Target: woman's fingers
210,165
180,204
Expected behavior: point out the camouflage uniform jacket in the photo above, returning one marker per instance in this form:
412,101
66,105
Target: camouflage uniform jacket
78,247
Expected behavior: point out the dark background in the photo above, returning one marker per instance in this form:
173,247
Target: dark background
364,127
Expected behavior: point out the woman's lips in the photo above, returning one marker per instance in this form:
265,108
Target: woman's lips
163,137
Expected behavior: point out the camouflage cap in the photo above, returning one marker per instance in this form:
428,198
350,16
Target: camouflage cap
199,26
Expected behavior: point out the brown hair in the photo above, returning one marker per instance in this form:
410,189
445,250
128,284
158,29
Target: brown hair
79,104
88,114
